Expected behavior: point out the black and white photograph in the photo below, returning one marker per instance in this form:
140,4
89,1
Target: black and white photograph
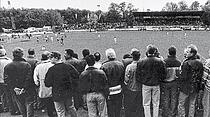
104,58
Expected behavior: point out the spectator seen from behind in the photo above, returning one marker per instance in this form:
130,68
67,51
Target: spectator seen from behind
114,70
62,78
45,93
18,77
4,92
93,84
170,84
133,96
150,72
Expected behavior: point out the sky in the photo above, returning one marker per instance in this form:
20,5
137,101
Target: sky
93,5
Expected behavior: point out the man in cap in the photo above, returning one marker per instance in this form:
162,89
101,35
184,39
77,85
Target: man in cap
63,79
115,74
127,58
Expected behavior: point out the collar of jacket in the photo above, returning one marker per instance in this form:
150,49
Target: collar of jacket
91,68
4,57
171,56
191,58
30,56
19,59
150,56
69,58
108,61
46,61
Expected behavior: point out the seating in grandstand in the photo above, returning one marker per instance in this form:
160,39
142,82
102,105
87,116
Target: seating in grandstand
185,20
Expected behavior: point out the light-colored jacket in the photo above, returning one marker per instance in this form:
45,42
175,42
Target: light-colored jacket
130,77
39,77
3,62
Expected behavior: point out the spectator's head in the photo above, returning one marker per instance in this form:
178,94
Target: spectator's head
31,51
110,53
97,56
172,51
69,53
2,52
17,52
55,57
85,52
136,55
90,59
151,50
190,51
46,55
134,49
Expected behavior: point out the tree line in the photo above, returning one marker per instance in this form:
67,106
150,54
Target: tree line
24,18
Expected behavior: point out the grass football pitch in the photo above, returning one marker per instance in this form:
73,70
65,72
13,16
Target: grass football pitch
126,40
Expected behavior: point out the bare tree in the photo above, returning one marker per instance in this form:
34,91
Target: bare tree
170,6
183,6
195,6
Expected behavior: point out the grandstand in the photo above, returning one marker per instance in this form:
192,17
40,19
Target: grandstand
183,20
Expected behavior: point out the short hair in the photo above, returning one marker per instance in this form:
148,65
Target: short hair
136,55
31,51
56,54
193,49
46,55
70,52
90,59
172,50
110,53
85,52
151,49
97,56
17,52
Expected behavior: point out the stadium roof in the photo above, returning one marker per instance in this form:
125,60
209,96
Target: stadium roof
168,14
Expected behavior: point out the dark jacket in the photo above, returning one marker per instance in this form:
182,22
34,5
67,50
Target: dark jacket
93,80
33,62
172,65
150,71
18,74
82,64
114,71
76,63
63,79
188,81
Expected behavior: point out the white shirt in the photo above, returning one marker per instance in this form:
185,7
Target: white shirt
3,62
39,77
